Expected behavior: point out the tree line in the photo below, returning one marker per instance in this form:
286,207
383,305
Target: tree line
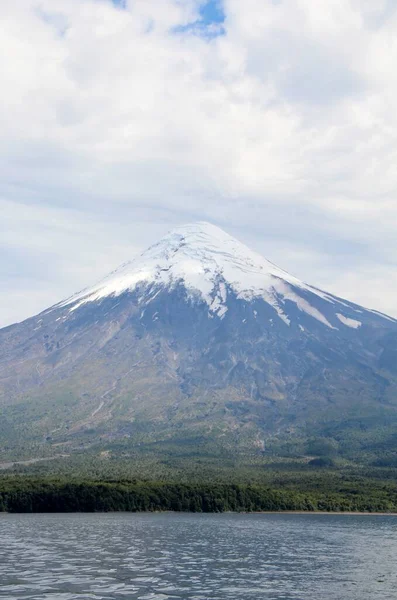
27,495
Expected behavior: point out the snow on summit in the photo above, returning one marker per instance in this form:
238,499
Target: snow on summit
210,264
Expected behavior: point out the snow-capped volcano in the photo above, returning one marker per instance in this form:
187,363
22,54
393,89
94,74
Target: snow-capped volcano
197,337
209,263
199,256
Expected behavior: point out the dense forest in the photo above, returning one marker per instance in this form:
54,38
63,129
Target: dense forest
26,494
210,482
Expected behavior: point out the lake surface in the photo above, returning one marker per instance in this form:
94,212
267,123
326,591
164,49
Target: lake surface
198,557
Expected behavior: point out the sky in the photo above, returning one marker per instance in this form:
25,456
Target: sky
273,119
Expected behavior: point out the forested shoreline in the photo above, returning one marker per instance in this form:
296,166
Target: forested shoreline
26,495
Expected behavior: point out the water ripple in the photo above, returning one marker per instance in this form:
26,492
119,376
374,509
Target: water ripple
197,557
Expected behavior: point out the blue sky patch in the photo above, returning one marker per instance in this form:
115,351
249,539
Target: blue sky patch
212,13
210,23
120,3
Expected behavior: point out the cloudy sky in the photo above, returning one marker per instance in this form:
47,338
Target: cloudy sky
274,119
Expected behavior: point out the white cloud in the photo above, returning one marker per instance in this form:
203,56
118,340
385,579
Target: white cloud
116,125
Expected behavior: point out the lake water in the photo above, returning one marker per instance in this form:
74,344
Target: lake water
198,557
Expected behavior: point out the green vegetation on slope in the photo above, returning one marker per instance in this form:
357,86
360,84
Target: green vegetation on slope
199,475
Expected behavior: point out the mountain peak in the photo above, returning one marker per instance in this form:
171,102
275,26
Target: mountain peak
193,236
212,265
200,236
201,256
205,242
199,228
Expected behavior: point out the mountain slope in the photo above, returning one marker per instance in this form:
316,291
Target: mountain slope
198,338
